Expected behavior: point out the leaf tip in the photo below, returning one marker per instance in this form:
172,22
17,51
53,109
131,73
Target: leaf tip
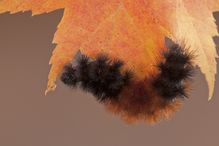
50,88
209,97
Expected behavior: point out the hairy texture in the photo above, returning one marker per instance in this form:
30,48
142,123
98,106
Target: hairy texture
134,100
102,77
139,102
118,90
68,76
155,98
174,71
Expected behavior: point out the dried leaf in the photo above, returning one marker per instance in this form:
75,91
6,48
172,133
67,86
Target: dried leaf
195,27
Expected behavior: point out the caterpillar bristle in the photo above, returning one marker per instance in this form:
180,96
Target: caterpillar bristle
168,89
174,71
150,99
68,77
102,59
178,55
117,64
102,77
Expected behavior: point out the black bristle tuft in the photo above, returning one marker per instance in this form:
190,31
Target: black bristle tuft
68,77
174,71
102,59
117,64
83,60
168,89
82,71
178,55
102,77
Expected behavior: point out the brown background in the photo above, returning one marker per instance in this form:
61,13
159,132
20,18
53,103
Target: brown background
73,118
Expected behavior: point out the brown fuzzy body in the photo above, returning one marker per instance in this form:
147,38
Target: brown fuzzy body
140,102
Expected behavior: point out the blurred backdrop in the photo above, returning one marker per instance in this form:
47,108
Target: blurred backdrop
73,118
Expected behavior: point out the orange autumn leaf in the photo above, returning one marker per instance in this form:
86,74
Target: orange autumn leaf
36,6
97,25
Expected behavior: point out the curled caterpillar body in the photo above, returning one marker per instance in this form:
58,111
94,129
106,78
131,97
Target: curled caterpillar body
154,98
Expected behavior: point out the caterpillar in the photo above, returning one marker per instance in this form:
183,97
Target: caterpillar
152,99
